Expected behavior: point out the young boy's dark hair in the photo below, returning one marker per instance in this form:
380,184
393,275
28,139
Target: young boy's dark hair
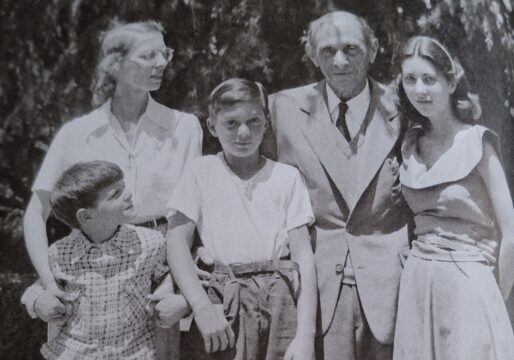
78,187
237,90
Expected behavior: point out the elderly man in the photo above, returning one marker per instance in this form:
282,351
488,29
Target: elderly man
343,134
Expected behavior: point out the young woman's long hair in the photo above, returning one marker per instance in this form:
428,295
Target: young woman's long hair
465,105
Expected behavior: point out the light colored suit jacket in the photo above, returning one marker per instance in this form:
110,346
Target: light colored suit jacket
371,223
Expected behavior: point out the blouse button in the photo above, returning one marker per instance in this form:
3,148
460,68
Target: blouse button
339,269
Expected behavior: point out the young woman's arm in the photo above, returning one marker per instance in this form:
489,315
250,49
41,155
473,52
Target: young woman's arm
302,347
493,175
36,240
216,331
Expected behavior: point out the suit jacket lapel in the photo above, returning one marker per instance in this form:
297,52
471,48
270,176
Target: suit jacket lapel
381,134
325,139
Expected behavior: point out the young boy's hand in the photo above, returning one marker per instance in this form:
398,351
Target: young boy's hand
300,349
216,331
169,308
50,307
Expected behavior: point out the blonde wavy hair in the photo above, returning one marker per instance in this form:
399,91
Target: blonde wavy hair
115,43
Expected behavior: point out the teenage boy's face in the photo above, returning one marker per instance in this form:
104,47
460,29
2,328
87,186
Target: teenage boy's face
240,128
114,205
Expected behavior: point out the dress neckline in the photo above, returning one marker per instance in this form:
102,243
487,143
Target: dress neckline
458,137
454,164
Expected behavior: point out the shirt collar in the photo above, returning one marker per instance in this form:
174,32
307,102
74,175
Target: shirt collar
151,121
121,240
151,112
357,106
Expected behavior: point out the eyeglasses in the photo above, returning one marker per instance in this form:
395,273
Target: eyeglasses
151,56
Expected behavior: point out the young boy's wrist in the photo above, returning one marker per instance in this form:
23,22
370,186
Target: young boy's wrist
49,284
197,306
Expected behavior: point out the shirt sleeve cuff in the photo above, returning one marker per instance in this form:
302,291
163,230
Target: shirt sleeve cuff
300,220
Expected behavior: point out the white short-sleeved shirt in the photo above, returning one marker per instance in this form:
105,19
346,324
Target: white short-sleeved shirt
164,142
242,220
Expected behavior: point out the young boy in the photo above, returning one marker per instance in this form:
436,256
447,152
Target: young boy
251,214
106,268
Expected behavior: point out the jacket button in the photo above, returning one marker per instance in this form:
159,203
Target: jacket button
339,269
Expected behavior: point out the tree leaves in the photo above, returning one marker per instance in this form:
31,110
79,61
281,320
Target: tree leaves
49,51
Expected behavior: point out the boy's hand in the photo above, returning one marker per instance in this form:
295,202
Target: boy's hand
49,307
300,349
216,331
168,308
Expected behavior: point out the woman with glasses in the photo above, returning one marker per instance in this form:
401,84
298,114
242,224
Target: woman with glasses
150,142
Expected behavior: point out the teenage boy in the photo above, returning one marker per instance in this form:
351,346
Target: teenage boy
252,214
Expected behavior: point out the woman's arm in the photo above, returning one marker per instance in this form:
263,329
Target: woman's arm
494,178
36,240
302,347
216,331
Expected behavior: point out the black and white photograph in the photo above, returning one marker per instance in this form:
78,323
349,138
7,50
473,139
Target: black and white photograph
257,180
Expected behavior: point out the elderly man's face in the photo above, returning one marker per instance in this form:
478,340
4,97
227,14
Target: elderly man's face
343,56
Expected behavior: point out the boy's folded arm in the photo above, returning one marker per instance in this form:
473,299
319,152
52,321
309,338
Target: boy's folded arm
301,252
167,307
215,329
165,286
44,304
181,263
162,287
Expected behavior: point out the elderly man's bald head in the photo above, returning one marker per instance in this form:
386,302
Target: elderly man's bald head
343,46
334,20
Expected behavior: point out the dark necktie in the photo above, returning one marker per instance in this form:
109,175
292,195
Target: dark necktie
341,121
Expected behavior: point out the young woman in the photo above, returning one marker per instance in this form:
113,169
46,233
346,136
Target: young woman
150,142
450,306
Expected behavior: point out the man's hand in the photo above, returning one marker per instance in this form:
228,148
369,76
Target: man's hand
51,305
216,331
168,308
300,349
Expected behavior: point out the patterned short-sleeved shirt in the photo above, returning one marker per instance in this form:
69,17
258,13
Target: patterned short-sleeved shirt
107,284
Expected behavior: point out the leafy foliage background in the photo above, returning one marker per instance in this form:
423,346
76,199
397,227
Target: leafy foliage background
49,49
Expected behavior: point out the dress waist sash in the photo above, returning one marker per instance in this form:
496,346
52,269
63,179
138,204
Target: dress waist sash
436,247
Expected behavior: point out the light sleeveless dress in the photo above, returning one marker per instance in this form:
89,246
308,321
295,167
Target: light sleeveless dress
450,306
